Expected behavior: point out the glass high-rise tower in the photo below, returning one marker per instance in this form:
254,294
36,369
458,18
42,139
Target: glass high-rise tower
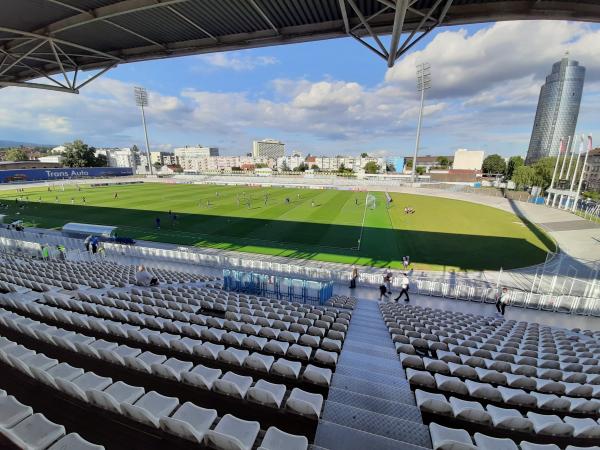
557,110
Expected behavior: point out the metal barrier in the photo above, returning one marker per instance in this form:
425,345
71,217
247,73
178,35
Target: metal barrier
281,288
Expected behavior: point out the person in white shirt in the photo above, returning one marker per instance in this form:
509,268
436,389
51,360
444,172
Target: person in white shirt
502,301
404,284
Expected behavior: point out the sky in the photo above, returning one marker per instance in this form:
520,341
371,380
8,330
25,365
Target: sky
325,98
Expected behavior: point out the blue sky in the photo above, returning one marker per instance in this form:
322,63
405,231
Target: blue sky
326,97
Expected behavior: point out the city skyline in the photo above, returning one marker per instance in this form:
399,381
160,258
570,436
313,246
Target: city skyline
329,97
557,110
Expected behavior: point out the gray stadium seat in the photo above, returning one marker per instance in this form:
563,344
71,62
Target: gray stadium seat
73,441
488,442
189,422
443,438
275,439
34,433
232,433
150,408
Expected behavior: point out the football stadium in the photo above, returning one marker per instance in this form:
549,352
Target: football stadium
187,299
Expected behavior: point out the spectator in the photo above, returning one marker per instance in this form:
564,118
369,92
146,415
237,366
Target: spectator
86,242
353,277
502,301
405,262
144,278
404,283
94,244
45,252
388,282
382,291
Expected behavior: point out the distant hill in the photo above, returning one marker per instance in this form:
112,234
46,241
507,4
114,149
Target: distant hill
24,144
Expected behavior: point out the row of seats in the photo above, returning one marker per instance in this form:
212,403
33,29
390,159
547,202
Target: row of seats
493,377
28,430
342,301
187,421
185,337
471,369
505,418
444,438
233,321
230,384
501,394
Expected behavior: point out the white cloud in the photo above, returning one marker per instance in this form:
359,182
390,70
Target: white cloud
236,61
485,88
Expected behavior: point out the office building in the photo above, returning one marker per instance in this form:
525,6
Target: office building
591,171
195,152
164,158
557,109
268,148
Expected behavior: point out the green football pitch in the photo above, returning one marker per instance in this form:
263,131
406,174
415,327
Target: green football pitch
324,225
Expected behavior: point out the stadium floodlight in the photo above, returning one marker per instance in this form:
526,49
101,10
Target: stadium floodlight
141,100
423,83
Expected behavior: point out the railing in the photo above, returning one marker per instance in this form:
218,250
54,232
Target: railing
281,288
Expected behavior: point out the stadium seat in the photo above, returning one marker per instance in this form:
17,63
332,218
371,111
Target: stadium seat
443,438
74,441
275,439
189,422
305,403
150,408
34,433
233,385
233,433
12,411
487,442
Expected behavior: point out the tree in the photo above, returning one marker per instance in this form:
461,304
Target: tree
390,167
343,169
494,164
443,161
176,168
372,167
543,169
16,154
524,176
261,166
78,154
315,167
284,166
513,163
302,167
364,155
157,165
420,170
135,149
101,161
409,163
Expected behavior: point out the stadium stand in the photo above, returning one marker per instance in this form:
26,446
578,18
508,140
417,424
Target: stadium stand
483,382
89,349
187,364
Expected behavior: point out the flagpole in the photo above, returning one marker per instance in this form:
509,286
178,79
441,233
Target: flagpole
582,172
560,149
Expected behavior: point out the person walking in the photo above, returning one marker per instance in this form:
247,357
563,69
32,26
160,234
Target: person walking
404,284
382,291
388,282
405,262
157,222
353,277
502,301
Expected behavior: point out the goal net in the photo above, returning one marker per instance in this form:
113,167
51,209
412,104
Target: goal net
370,201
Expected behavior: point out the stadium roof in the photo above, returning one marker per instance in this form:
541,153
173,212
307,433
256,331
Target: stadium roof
57,39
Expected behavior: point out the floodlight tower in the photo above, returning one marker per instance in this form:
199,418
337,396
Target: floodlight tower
423,83
141,100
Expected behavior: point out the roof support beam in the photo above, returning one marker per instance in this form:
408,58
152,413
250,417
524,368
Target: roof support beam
264,16
45,87
399,16
191,22
344,15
